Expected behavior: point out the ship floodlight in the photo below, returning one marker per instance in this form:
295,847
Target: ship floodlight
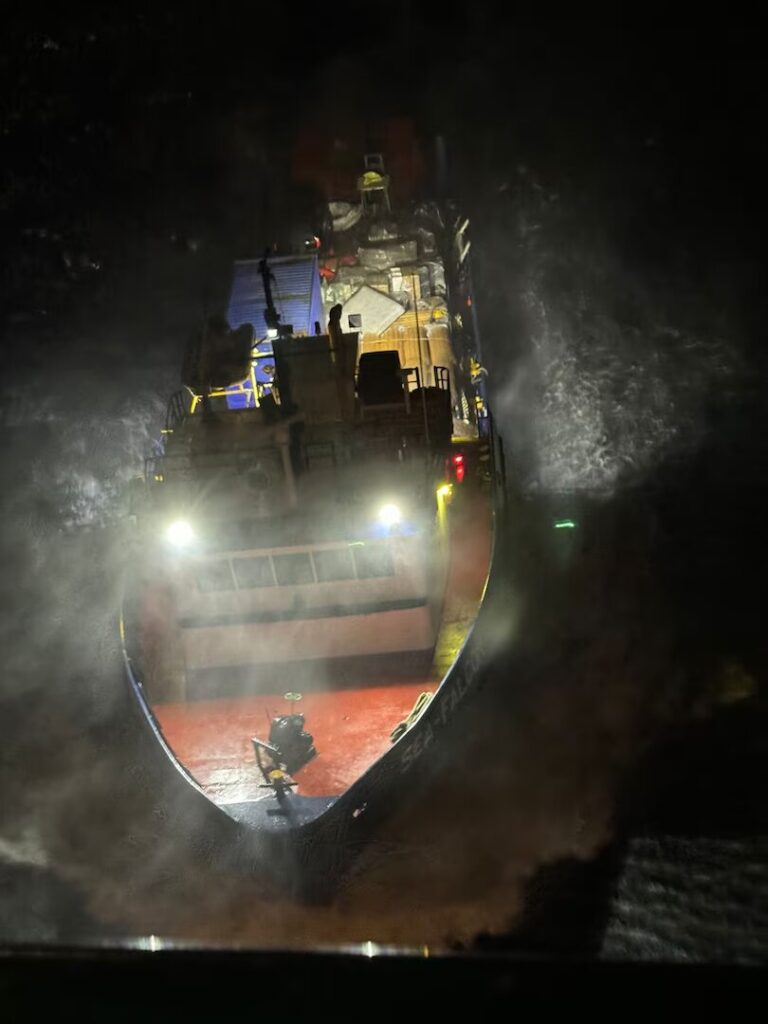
390,514
179,533
271,332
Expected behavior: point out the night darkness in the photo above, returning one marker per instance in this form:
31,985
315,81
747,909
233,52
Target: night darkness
614,173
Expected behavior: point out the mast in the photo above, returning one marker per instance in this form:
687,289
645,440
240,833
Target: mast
271,316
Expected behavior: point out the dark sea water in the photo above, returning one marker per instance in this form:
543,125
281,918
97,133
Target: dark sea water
624,629
604,792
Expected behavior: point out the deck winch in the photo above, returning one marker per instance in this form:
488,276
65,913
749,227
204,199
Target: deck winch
289,747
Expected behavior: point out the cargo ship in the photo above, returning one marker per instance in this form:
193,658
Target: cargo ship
314,535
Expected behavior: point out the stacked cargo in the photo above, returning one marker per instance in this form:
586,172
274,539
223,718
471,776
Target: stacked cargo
386,271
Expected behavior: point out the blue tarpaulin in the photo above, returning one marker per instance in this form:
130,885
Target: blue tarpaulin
295,290
298,301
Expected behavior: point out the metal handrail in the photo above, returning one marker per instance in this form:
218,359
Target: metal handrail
176,411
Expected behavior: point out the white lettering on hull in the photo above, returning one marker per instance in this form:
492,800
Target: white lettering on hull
457,689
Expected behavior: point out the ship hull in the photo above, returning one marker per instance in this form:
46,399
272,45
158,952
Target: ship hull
315,833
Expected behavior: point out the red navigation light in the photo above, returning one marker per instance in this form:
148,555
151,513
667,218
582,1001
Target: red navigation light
458,460
460,473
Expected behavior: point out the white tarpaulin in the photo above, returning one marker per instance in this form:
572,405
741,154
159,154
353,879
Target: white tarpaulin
378,311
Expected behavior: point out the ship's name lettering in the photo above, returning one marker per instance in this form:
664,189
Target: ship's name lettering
423,737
